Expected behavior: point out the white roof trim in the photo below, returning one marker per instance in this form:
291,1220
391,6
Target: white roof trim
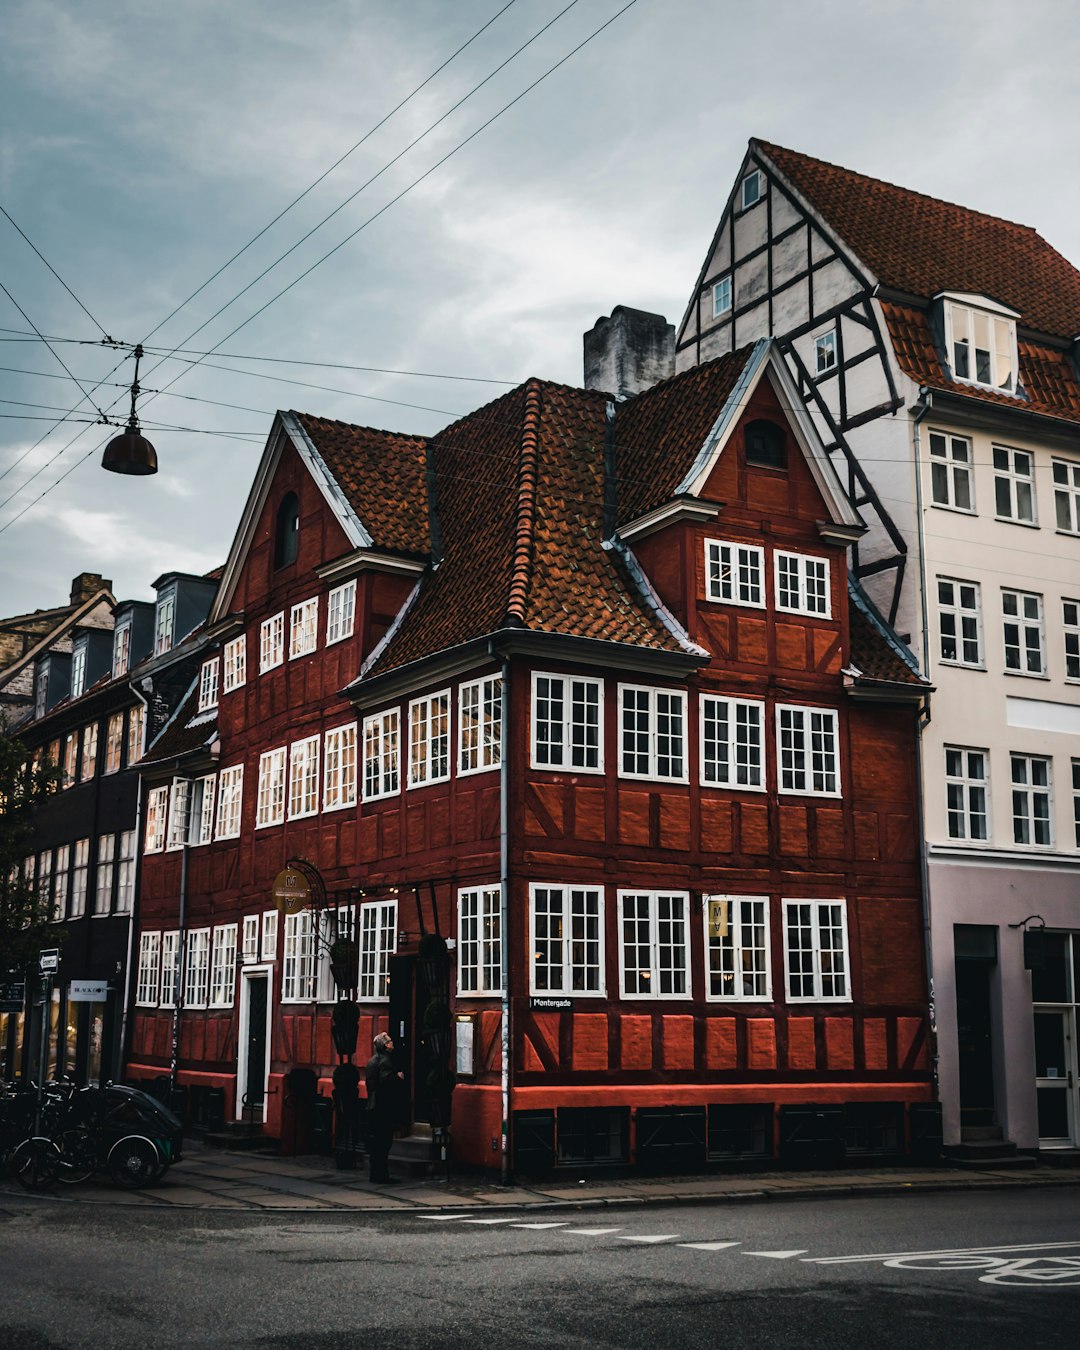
652,598
388,636
977,300
709,453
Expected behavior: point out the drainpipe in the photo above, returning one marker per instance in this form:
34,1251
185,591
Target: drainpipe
504,917
136,887
181,964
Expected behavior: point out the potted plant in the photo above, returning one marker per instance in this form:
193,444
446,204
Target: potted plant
436,1026
345,962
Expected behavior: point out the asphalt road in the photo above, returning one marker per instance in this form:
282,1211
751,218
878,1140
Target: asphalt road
997,1269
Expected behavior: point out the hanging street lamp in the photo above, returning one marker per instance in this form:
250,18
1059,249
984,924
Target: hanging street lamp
131,452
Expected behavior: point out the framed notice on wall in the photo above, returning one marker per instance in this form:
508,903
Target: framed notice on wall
465,1045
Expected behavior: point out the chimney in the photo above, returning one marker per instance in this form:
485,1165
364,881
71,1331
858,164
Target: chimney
629,352
87,584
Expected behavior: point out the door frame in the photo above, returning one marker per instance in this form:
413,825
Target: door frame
1066,1083
246,972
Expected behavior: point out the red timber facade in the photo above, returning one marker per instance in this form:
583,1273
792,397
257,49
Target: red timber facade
624,732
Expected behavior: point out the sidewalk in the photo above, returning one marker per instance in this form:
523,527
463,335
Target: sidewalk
210,1178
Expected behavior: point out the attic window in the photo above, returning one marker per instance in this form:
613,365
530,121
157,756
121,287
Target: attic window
287,531
766,445
721,297
981,346
751,189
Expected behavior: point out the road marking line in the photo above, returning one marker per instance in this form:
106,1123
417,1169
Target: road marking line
593,1232
487,1221
659,1237
942,1251
440,1218
541,1225
708,1246
777,1256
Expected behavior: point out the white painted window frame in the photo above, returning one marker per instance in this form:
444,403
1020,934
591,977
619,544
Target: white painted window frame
1026,795
960,322
223,967
304,778
179,800
230,802
1070,632
157,805
654,993
654,694
304,628
480,714
382,754
577,904
817,972
270,801
708,702
741,922
104,875
953,455
1066,476
234,664
208,684
735,573
967,785
201,812
249,942
573,723
299,971
341,612
125,872
723,296
1025,627
803,753
961,615
339,768
377,934
479,906
801,568
114,744
197,968
272,642
149,970
1015,479
423,741
170,969
826,353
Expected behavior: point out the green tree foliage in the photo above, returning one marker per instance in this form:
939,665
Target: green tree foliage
25,913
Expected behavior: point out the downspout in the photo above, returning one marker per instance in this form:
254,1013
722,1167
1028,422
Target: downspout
181,963
504,917
136,888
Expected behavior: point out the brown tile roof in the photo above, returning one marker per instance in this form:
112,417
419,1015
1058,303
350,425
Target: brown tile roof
876,652
382,474
918,244
1048,380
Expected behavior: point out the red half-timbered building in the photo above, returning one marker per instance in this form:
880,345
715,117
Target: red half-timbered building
583,685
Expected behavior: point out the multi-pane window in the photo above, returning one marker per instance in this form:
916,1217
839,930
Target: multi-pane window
566,720
429,739
78,671
304,628
44,879
114,743
1067,495
230,798
1022,627
146,984
382,744
125,874
298,958
1014,488
88,765
234,663
304,777
960,621
179,800
752,189
163,624
480,725
965,791
567,940
339,768
1031,800
951,482
732,742
79,875
269,935
982,347
815,951
1070,618
653,944
825,352
106,870
378,942
802,584
157,805
249,950
480,941
652,726
1076,801
736,931
208,684
197,968
223,966
734,573
60,891
270,805
170,969
340,612
71,757
136,727
121,659
721,297
201,811
271,643
808,750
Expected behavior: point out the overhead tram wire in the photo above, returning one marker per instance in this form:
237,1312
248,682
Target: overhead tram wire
16,226
52,349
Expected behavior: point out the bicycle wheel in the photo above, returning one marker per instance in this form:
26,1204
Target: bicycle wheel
78,1159
35,1162
134,1162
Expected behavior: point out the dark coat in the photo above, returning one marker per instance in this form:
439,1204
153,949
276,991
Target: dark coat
382,1085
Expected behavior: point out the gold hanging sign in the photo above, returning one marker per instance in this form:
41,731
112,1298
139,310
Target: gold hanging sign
291,891
718,918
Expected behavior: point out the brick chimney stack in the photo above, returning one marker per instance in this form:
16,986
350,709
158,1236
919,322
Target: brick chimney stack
629,352
87,584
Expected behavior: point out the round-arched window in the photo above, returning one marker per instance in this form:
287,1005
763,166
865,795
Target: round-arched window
766,445
287,530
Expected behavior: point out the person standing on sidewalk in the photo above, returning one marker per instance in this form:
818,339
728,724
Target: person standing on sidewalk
383,1095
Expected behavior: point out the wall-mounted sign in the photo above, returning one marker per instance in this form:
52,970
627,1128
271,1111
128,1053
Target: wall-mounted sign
465,1045
291,891
718,918
49,960
12,996
551,1004
88,991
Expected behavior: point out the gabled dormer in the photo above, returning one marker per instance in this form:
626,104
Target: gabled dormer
52,681
979,340
91,657
133,635
183,602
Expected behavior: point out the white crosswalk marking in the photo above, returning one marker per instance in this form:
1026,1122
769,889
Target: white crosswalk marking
593,1232
487,1221
777,1256
440,1218
539,1225
708,1246
658,1237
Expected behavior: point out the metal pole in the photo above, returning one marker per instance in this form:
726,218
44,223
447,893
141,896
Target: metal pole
43,1048
504,920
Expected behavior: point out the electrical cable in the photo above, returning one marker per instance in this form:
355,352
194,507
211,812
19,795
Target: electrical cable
55,273
55,353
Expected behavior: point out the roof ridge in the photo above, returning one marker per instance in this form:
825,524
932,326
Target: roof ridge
521,559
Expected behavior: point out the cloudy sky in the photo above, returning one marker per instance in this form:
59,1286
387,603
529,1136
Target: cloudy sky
142,145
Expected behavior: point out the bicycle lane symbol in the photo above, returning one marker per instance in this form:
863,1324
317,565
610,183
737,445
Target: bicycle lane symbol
1025,1271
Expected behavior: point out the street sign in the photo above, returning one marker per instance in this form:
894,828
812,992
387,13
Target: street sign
291,890
88,991
12,996
49,960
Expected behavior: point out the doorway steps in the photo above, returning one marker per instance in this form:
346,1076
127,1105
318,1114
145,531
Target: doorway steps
415,1155
238,1136
986,1146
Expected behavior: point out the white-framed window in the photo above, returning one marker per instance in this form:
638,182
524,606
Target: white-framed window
825,352
567,717
1076,801
808,752
737,961
339,768
802,584
960,622
197,968
567,940
734,573
732,742
44,879
146,984
164,615
114,743
652,728
170,969
71,757
249,949
271,642
340,612
78,670
377,928
966,775
234,663
981,347
269,935
298,958
136,731
223,967
304,777
382,754
270,804
1014,485
951,481
429,739
1022,628
179,800
230,800
1031,813
1070,620
653,944
208,684
121,659
88,763
1067,495
816,951
480,941
157,805
201,812
721,297
753,189
106,871
62,883
125,876
304,628
480,725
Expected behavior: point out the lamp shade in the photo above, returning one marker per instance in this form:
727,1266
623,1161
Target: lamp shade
130,452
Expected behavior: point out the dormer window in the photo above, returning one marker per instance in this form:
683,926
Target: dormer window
287,531
980,339
208,685
121,649
41,694
163,623
752,189
78,670
766,445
